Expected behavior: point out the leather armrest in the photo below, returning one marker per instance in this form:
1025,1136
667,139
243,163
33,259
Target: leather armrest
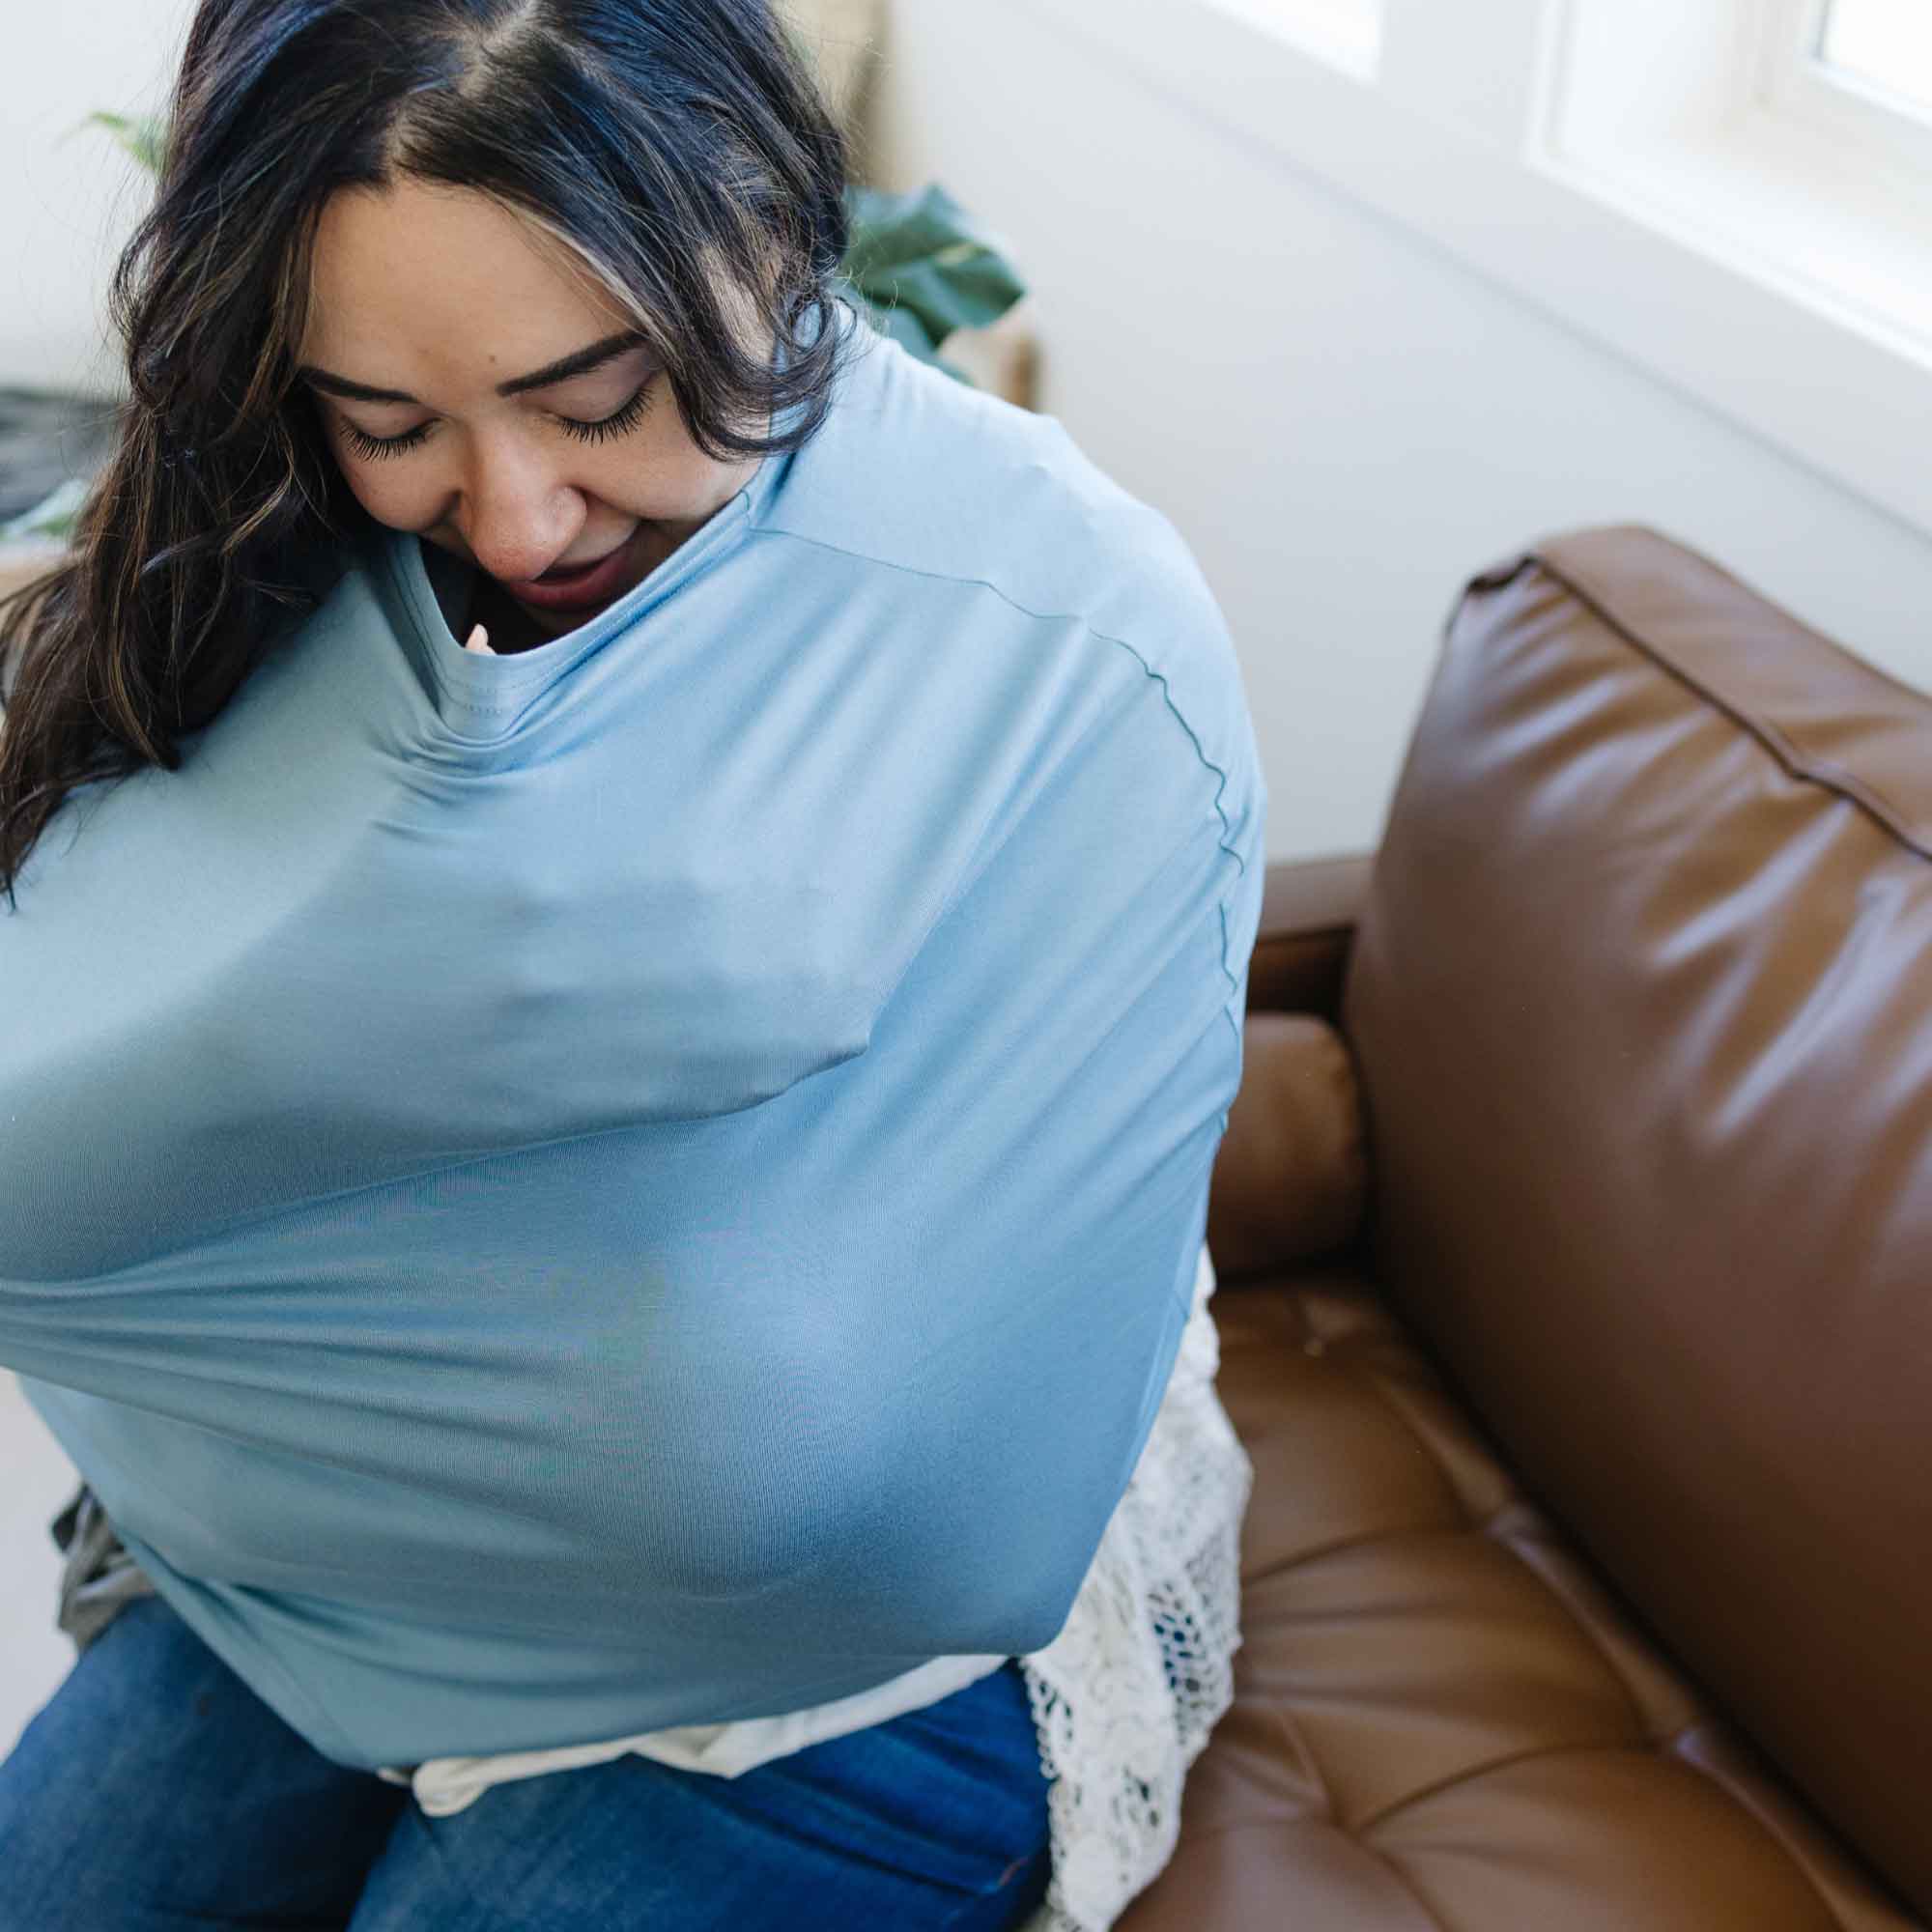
1309,908
1290,1179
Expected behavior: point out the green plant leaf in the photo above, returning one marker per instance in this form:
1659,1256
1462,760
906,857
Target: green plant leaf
142,135
920,259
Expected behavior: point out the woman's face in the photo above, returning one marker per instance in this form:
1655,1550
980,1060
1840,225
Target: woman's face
443,298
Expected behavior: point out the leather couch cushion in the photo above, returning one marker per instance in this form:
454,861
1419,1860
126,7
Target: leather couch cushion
1291,1174
1442,1718
1642,1004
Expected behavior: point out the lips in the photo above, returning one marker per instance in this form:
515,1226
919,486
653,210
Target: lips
578,590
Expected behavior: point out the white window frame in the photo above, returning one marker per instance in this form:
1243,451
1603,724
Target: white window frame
1735,140
1798,89
1346,34
1750,152
1462,138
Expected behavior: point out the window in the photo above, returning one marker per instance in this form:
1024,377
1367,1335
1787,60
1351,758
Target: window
1791,137
1718,191
1883,46
1857,77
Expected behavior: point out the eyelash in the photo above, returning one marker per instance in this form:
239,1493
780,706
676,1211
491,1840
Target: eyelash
621,424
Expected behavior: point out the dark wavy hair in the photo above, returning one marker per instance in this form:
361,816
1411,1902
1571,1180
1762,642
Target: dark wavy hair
681,148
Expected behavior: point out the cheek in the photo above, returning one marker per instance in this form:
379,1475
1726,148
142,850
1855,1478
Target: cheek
388,492
662,474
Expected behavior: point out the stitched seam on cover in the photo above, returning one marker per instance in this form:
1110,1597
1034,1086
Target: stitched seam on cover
1092,631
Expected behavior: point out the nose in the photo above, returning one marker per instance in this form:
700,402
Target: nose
517,515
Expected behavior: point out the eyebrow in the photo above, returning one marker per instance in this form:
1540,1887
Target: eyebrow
581,363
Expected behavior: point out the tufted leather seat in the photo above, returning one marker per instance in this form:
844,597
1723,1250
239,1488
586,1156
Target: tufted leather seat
1542,1316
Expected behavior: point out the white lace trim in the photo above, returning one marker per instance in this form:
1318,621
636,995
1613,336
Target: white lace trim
1126,1696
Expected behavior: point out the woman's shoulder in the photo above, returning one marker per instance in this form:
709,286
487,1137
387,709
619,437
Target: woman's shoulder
914,470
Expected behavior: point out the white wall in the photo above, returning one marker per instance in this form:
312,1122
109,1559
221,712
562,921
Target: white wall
1344,421
69,201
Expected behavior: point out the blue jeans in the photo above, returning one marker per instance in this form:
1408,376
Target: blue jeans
155,1792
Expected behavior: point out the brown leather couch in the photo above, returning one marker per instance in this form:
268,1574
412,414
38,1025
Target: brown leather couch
1574,1238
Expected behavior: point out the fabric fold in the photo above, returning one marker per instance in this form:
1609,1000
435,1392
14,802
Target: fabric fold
681,1206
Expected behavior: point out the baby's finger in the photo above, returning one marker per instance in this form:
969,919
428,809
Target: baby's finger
479,640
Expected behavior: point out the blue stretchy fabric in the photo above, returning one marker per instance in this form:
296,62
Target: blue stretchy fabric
658,1179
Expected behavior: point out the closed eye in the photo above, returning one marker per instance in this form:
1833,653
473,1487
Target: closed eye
619,423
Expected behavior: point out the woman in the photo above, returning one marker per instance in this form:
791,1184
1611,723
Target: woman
590,1289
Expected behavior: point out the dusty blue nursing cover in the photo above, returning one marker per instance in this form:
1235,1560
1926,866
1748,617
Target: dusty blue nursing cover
657,1180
